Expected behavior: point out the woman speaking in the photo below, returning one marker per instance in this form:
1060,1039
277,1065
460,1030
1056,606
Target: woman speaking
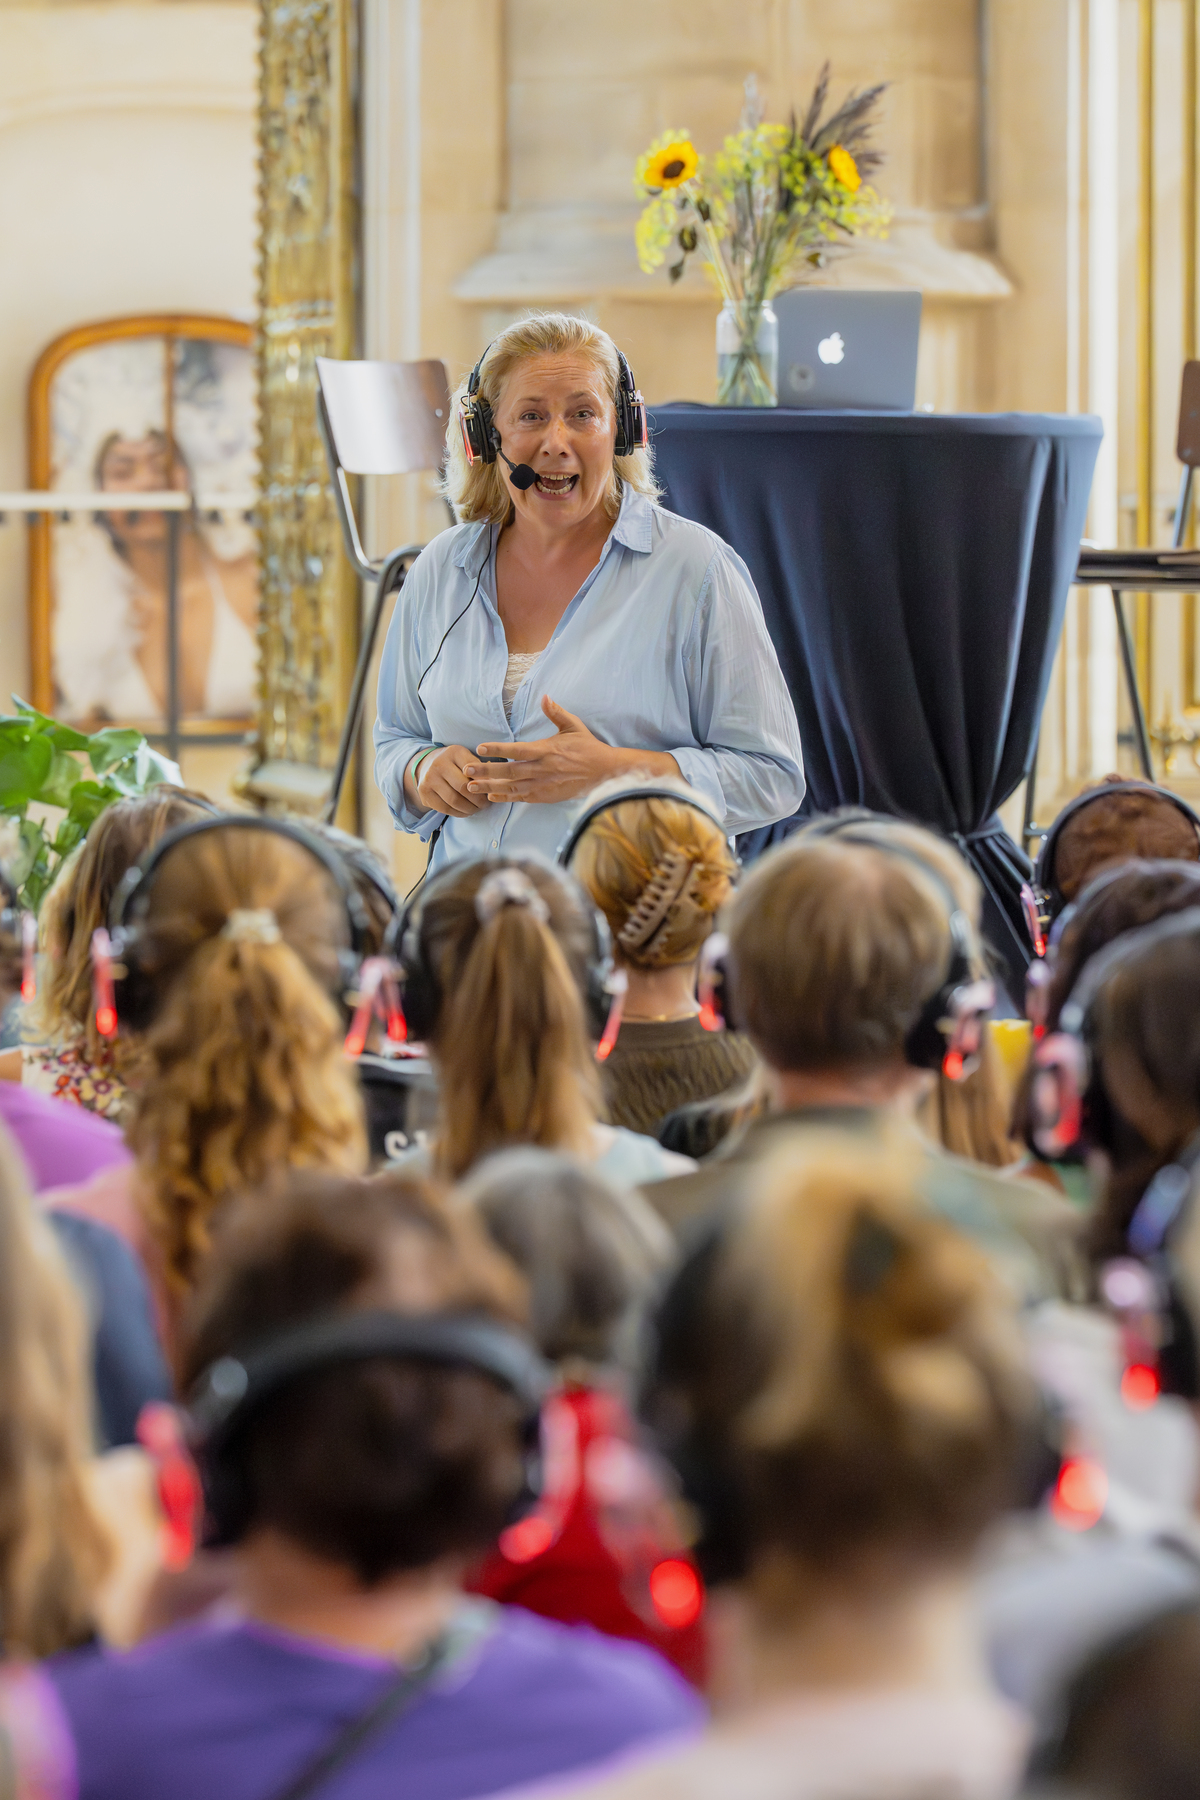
570,629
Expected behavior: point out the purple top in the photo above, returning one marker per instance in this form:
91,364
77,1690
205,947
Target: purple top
236,1710
63,1144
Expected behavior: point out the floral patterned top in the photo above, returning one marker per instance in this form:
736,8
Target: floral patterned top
64,1072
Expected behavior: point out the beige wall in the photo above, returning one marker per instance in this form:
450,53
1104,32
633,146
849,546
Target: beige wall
127,184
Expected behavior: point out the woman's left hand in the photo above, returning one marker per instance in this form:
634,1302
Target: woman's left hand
558,768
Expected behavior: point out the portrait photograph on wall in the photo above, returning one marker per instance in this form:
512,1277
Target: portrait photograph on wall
140,615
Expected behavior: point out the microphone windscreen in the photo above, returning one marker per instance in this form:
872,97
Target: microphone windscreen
523,476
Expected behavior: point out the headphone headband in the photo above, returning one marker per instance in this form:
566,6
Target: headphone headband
698,802
1043,873
235,1384
1099,969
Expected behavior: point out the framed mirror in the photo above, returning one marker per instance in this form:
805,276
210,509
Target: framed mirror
146,614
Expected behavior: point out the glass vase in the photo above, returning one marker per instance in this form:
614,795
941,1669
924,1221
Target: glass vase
747,355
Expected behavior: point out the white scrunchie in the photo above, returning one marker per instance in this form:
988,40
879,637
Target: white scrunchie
508,887
252,925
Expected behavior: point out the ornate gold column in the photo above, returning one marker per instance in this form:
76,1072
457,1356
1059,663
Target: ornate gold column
308,266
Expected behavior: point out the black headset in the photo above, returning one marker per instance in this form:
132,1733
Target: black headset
232,1390
925,1042
481,440
1045,878
134,991
1069,1111
419,985
635,791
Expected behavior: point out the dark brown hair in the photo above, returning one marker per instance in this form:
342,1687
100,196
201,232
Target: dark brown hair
384,1464
834,949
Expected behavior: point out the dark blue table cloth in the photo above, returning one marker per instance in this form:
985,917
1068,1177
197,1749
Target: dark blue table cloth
913,570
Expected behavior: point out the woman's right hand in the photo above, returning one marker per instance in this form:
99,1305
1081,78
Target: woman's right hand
441,786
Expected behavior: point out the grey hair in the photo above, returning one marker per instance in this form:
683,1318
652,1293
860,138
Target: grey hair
592,1253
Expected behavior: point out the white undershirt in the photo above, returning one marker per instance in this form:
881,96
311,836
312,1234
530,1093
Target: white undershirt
519,664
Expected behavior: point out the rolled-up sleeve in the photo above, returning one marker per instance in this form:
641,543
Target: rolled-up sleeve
750,761
401,725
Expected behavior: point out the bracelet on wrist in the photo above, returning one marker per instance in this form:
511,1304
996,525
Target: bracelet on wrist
414,766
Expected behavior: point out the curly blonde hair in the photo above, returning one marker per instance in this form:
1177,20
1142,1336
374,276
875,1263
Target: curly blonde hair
245,1070
480,491
53,1552
659,870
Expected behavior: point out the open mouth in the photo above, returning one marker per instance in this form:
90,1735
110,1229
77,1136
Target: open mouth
557,485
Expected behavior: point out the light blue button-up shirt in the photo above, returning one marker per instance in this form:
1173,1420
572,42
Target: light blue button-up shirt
664,647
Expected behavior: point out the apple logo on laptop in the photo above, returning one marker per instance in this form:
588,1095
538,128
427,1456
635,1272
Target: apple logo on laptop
831,349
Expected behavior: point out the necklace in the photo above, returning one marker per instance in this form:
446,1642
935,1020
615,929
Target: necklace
633,1018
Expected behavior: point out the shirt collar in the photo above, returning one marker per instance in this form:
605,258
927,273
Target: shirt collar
633,530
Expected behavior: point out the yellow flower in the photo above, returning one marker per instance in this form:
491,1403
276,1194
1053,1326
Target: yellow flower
670,165
843,168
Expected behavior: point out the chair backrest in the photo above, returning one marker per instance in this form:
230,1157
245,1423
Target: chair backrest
1187,445
386,418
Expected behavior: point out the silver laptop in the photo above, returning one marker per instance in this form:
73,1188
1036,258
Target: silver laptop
848,347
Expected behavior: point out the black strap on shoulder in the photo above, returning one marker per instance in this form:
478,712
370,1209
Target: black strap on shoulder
396,1699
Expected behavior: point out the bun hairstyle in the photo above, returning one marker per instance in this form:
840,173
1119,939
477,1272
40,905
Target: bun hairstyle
244,1067
849,1371
510,958
82,896
659,870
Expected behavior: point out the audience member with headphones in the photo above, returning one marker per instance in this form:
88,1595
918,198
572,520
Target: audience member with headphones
655,859
364,1415
568,598
840,1383
232,960
854,972
507,975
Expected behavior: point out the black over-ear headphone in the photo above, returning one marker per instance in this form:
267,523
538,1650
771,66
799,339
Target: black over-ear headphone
134,992
1069,1111
930,1042
635,791
419,985
233,1389
481,440
1045,878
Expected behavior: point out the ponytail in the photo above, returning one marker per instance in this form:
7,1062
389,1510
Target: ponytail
511,1038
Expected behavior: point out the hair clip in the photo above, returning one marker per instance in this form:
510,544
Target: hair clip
29,937
665,887
617,984
103,998
252,925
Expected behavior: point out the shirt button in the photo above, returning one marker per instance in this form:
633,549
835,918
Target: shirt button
495,844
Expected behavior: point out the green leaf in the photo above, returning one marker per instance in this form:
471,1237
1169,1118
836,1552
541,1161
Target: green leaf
64,773
69,833
89,799
25,758
32,840
111,746
63,737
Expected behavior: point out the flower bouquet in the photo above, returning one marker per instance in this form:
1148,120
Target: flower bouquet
763,211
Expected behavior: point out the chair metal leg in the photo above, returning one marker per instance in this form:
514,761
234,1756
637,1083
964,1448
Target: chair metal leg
392,568
1184,505
1131,687
1028,829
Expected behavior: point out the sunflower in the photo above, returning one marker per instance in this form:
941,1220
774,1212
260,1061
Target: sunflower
843,168
670,165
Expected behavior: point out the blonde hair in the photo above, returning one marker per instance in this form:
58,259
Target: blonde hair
635,856
80,900
510,1038
865,1378
480,491
53,1552
245,1070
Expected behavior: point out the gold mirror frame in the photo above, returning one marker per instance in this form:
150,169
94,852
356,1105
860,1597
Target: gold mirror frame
170,327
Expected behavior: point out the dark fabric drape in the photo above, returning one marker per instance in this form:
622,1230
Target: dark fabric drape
913,570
